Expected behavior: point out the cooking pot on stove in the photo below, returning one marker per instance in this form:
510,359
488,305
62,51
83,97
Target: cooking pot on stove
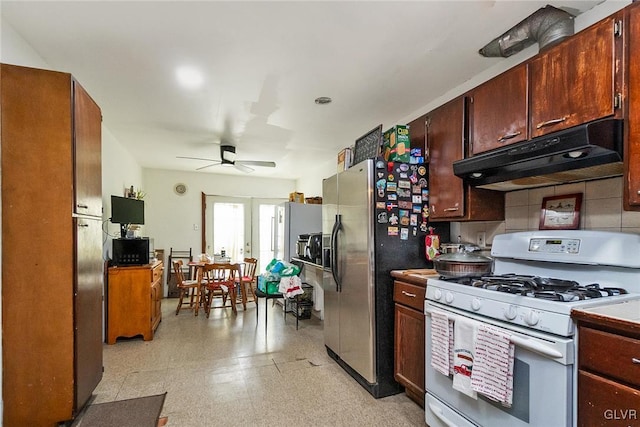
463,264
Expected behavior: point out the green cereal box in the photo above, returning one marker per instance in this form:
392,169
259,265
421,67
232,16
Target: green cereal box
396,146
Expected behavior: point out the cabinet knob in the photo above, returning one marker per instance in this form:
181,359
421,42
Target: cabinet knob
81,206
408,294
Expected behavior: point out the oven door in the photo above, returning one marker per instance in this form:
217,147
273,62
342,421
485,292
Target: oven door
542,382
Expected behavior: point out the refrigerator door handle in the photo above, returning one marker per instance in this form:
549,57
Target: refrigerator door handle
337,225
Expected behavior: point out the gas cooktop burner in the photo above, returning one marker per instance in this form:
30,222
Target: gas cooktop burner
541,287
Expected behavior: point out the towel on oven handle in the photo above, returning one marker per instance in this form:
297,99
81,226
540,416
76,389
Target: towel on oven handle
493,365
464,338
441,342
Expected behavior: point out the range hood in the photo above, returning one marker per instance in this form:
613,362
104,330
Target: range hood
584,152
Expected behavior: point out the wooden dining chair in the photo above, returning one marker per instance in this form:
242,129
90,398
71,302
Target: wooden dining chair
247,281
220,281
186,287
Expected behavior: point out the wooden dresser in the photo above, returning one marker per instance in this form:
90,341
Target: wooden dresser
609,365
133,298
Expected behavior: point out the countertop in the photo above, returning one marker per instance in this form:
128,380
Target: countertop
624,315
306,262
416,276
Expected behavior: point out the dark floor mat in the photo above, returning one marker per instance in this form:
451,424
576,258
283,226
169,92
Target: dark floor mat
138,412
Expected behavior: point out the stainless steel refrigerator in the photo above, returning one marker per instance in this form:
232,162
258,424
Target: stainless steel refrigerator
374,219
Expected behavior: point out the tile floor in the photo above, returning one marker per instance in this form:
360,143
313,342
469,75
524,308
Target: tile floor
224,371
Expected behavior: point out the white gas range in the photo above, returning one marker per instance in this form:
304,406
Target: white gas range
538,278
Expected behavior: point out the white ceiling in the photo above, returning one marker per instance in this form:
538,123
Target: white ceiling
263,64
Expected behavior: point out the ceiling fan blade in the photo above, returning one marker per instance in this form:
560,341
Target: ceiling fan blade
243,168
256,163
208,166
196,158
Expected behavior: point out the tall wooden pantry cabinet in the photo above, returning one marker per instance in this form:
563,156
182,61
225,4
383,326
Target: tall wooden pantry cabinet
51,246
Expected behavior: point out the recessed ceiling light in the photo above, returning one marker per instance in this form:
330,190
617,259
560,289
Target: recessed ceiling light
189,77
323,100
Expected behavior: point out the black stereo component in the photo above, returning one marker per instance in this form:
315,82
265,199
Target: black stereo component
130,251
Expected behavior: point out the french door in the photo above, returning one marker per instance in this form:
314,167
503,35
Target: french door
241,226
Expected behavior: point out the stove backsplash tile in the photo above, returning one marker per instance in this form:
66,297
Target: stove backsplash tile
599,211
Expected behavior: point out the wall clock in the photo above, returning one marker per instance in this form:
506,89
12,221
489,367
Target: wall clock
180,189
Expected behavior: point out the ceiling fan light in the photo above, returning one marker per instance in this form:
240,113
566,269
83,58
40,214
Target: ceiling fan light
228,153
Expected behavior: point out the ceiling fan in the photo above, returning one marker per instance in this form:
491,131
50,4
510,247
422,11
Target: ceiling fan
228,158
228,154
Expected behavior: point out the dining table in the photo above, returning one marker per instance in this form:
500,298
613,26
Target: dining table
196,272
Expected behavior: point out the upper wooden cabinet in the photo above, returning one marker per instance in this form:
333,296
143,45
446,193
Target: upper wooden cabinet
449,197
87,142
578,80
418,133
498,111
631,196
444,145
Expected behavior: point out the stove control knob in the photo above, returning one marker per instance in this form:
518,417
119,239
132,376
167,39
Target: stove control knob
511,312
476,304
448,298
532,318
437,294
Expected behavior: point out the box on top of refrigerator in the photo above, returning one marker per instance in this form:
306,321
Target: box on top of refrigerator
345,159
396,144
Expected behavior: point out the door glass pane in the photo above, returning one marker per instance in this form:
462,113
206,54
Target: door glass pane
243,226
267,235
228,229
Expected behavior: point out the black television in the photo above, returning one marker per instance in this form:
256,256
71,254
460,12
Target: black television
125,211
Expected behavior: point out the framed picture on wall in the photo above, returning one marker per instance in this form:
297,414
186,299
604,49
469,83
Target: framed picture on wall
561,212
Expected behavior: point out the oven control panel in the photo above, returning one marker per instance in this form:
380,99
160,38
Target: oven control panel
554,246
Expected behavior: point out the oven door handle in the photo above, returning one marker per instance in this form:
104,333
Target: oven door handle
521,341
438,413
535,346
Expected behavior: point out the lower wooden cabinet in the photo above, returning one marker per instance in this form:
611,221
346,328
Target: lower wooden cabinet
409,339
134,298
608,372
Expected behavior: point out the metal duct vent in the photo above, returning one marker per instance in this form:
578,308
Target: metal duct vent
547,26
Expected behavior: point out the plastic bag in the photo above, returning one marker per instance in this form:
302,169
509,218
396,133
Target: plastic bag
277,268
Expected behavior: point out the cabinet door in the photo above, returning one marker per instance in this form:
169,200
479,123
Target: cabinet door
445,142
409,351
632,148
498,113
606,403
449,197
574,81
88,308
87,122
418,133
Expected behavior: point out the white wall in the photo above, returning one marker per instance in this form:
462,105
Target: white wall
15,50
170,218
311,182
119,171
